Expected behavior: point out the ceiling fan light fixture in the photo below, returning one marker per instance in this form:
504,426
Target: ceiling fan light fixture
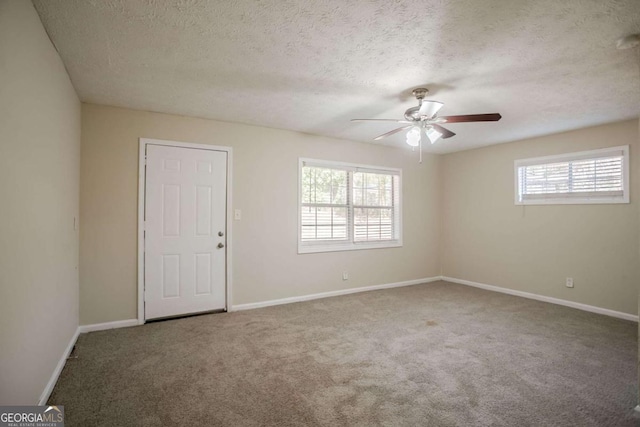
413,136
423,119
433,134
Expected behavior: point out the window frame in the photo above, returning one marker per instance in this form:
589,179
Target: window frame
575,156
350,244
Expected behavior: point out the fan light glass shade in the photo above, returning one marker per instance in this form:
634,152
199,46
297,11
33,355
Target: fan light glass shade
430,108
413,136
433,135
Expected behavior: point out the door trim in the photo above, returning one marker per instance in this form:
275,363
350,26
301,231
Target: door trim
143,142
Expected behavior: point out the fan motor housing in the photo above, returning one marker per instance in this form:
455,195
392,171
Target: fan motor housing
412,114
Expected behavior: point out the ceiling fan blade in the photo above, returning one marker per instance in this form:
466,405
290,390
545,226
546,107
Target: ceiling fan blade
446,133
380,120
430,108
493,117
384,135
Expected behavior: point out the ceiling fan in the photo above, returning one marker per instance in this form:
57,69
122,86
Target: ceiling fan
422,120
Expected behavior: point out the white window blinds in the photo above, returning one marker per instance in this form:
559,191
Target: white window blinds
374,201
346,206
598,176
324,204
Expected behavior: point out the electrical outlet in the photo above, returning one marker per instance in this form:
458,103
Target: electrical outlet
569,282
237,215
345,275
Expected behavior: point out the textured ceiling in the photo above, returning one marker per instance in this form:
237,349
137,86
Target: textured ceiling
545,65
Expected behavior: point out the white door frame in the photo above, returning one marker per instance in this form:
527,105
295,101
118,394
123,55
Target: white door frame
141,206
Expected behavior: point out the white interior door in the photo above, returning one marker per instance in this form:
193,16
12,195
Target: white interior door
185,231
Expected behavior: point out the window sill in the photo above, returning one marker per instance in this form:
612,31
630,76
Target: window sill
315,248
575,201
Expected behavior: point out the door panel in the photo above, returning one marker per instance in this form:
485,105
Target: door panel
185,209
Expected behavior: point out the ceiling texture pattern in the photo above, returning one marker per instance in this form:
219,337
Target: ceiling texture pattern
311,66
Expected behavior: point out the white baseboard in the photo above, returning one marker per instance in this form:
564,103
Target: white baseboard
58,370
290,300
134,322
108,325
543,298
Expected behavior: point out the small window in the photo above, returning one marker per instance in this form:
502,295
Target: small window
598,176
346,206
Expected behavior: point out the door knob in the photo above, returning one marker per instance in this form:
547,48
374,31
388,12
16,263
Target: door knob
220,233
220,245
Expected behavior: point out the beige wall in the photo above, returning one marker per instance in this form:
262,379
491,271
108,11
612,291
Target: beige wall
265,183
39,187
486,238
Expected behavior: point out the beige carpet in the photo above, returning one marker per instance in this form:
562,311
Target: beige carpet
428,355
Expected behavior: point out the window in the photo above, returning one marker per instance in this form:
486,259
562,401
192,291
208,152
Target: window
598,176
345,206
